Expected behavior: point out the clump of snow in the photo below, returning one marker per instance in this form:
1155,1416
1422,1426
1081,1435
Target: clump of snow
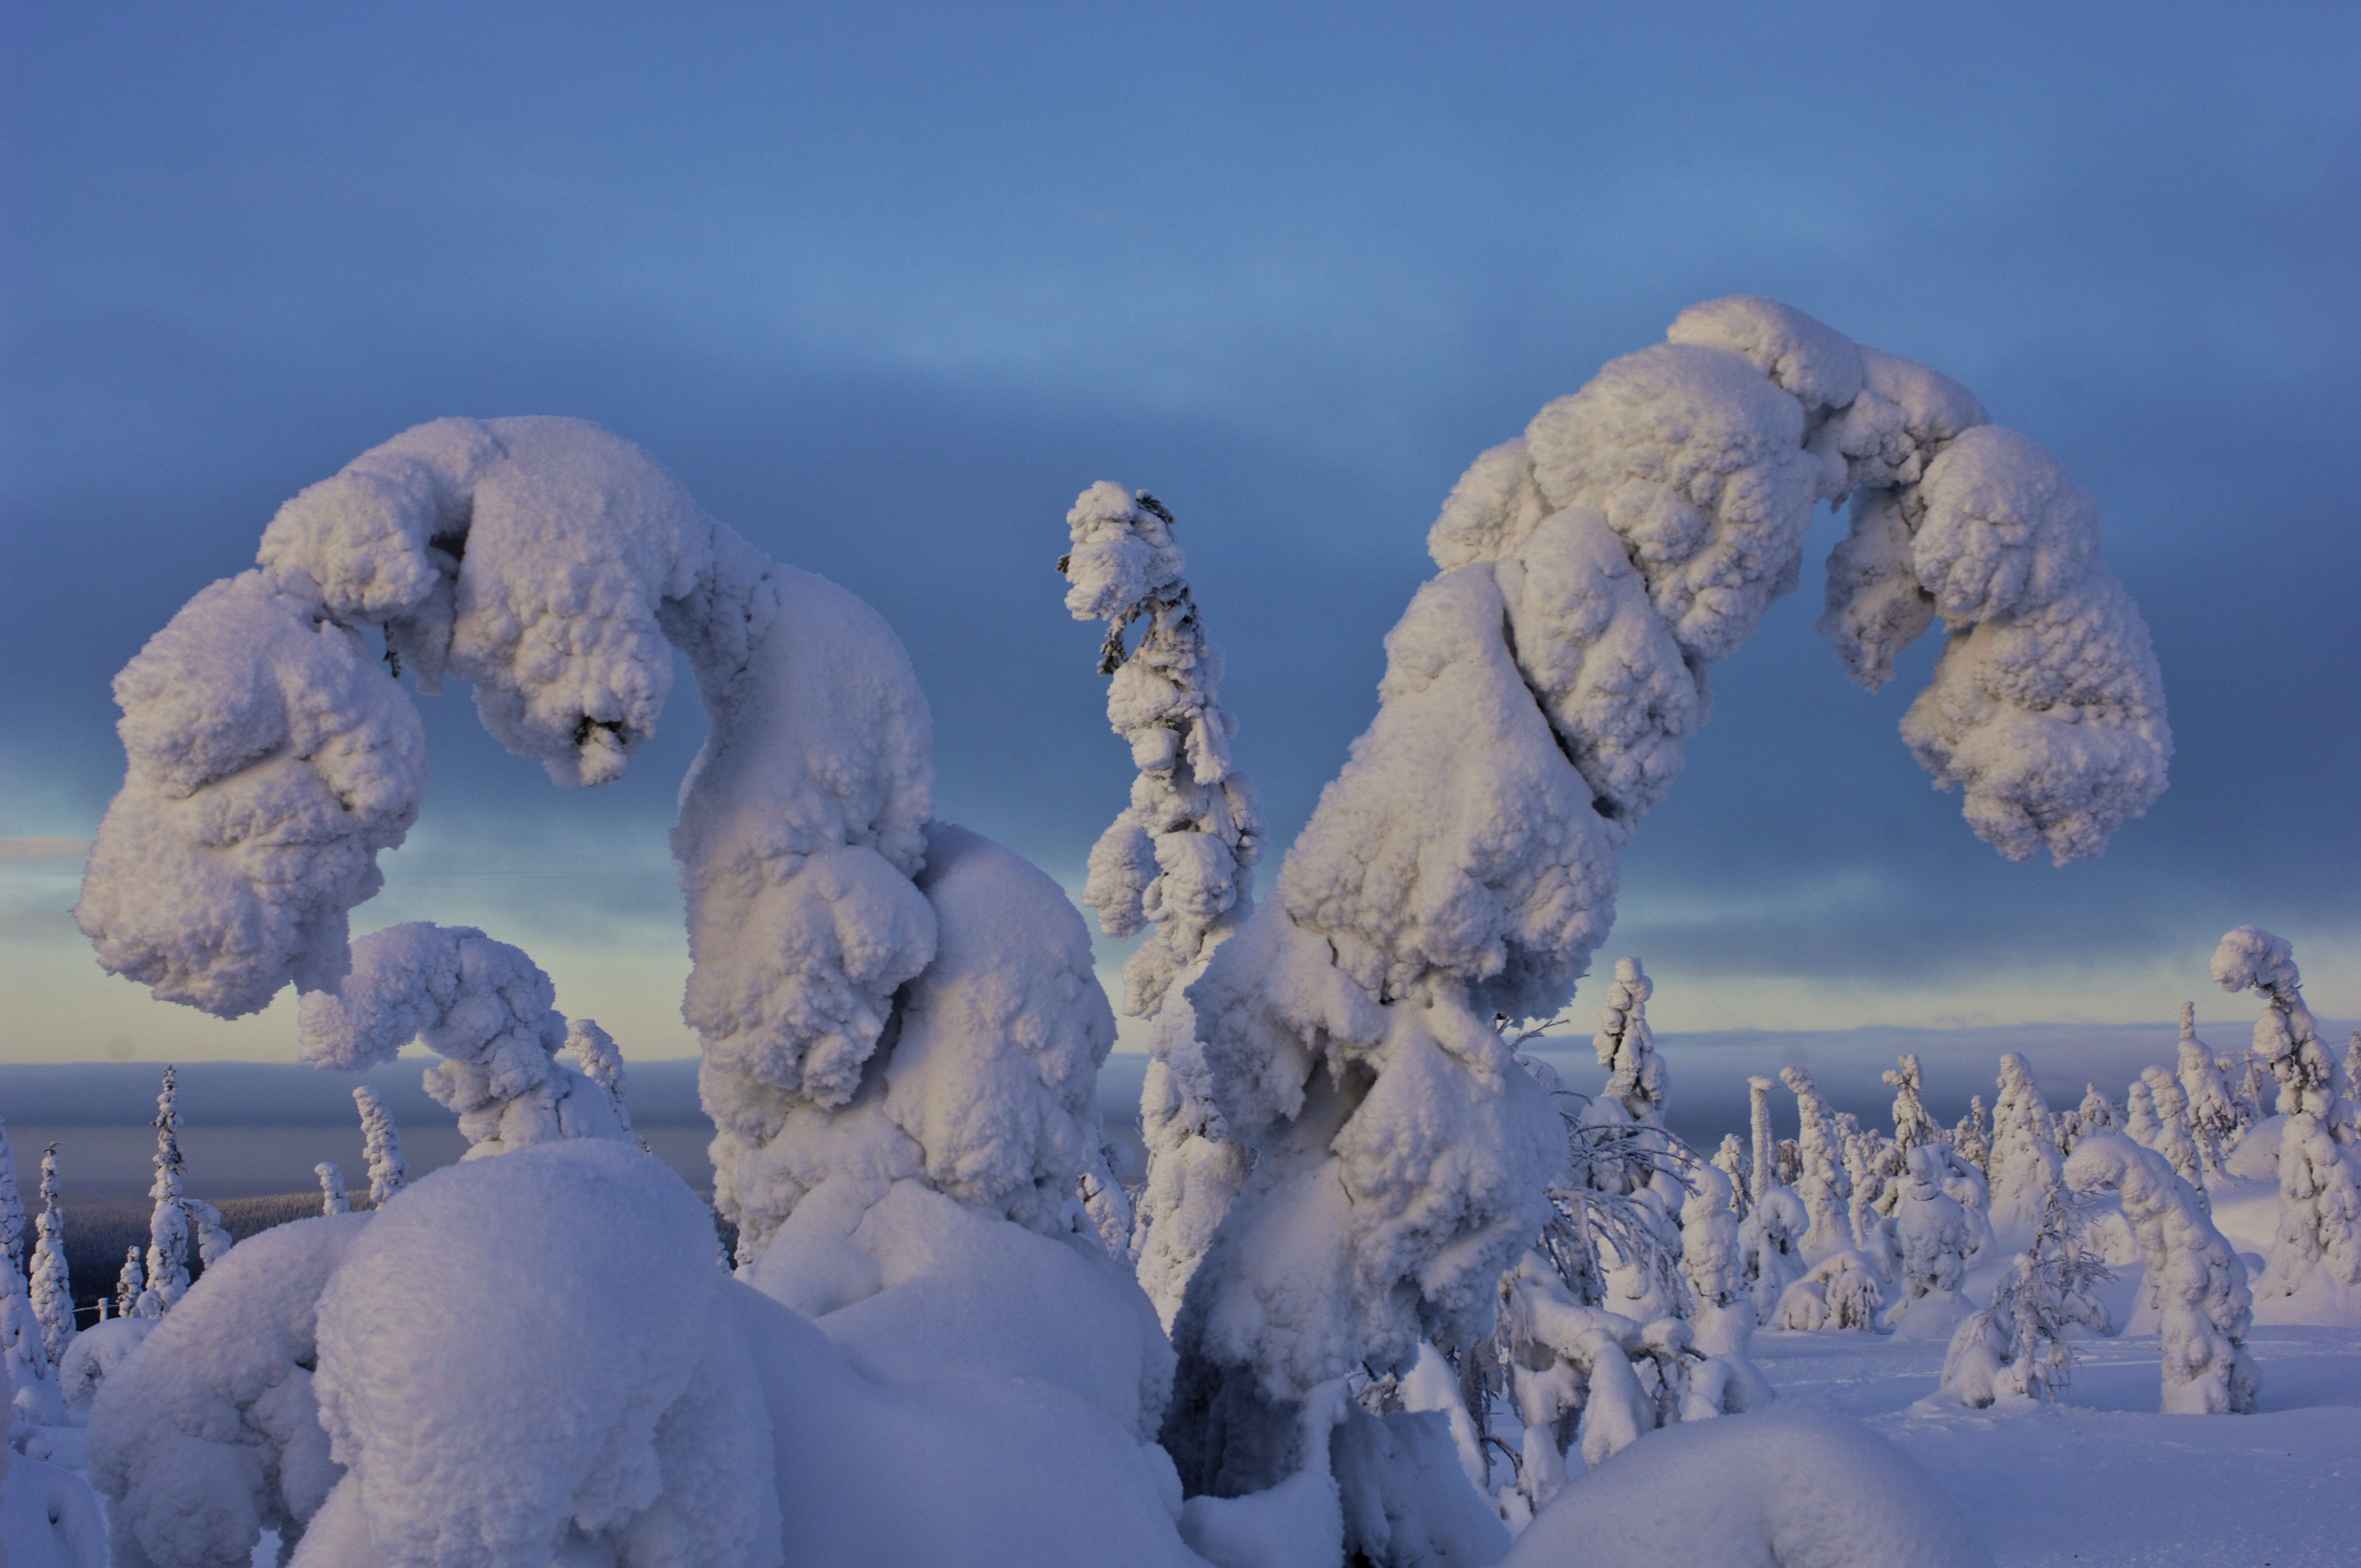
1840,1292
1777,1490
2195,1282
270,759
94,1353
210,1434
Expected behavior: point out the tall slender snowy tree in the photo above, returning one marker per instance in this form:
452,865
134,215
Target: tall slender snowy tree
333,1200
1178,861
2319,1240
12,1207
1826,1189
2174,1139
1912,1126
1731,1160
388,1173
2024,1162
52,1281
2194,1278
167,1272
2212,1108
132,1297
1972,1136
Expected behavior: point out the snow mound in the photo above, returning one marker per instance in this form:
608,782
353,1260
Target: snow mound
210,1433
48,1516
523,1352
1781,1490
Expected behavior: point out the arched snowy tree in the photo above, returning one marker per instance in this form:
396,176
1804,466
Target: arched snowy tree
1462,866
52,1283
2318,1247
1179,860
167,1271
2194,1278
388,1173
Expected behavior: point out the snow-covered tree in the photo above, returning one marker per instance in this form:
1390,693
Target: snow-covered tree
1627,1046
1766,1145
2174,1140
2319,1235
1912,1126
2098,1112
601,1062
12,1207
1715,1268
2195,1281
1462,866
2142,1123
2254,1090
2024,1162
1178,861
1826,1189
1732,1161
2018,1346
2214,1120
333,1200
388,1173
1770,1245
1972,1136
1840,1292
167,1272
482,1005
1933,1234
24,1354
211,1238
132,1297
52,1283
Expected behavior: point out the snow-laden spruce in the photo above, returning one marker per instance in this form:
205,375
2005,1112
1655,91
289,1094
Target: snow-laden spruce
2195,1283
2018,1346
165,1277
2316,1259
2023,1161
1912,1126
388,1173
2214,1119
52,1282
333,1198
2174,1140
1178,860
1932,1232
1824,1186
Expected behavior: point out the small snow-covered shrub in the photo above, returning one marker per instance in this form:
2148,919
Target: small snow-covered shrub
1770,1245
1935,1239
2018,1345
1840,1292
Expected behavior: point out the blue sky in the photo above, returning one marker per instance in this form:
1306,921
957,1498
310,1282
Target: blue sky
889,285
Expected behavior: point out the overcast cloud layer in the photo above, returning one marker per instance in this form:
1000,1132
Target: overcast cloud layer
887,290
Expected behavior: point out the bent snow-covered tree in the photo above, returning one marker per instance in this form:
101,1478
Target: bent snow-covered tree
886,1001
1537,696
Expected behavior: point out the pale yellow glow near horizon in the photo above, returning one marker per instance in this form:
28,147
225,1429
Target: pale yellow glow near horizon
63,1008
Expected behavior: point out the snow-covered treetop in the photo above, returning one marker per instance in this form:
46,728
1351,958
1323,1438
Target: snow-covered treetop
1912,1124
1179,856
2286,1036
1626,1046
